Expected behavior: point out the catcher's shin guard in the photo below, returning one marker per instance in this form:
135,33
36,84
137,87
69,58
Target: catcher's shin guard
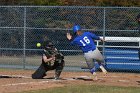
59,69
57,74
40,72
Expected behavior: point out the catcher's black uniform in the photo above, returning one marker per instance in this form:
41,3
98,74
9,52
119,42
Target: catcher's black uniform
56,65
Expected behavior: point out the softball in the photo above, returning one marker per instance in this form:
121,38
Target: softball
38,44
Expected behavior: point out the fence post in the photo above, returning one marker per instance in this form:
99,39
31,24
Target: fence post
104,17
139,41
24,40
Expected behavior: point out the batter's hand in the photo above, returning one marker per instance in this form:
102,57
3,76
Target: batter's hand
69,36
103,40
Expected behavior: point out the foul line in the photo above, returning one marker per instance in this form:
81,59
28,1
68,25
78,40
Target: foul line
46,81
16,84
15,76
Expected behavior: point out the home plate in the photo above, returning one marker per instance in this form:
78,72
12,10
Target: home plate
85,78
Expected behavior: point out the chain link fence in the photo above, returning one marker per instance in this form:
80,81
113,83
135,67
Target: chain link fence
21,27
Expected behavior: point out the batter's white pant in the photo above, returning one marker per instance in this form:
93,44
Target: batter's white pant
92,56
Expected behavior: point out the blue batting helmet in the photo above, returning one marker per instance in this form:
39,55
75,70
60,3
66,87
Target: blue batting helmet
76,28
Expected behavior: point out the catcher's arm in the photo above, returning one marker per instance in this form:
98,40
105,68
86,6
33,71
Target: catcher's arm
47,59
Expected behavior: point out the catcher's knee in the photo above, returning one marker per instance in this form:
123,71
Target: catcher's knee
39,73
60,67
38,76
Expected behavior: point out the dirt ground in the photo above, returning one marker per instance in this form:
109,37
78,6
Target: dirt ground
20,80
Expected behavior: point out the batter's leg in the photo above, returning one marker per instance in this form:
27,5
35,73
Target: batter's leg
96,55
91,65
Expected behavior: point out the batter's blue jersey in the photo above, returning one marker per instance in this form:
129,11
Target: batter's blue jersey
86,41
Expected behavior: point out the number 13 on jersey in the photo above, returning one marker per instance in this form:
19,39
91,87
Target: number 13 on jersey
85,41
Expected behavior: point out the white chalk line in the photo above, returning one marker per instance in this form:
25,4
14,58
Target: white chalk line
15,76
45,81
28,83
16,84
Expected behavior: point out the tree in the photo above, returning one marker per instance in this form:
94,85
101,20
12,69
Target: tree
72,2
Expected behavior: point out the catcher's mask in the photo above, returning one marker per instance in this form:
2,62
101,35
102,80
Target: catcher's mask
48,45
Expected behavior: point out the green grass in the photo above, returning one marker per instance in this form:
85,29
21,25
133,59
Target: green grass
88,89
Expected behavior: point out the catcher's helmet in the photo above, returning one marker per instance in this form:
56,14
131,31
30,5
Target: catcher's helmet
48,44
76,28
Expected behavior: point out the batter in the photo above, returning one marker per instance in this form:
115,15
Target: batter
85,40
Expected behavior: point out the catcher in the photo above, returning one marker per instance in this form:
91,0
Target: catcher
52,59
